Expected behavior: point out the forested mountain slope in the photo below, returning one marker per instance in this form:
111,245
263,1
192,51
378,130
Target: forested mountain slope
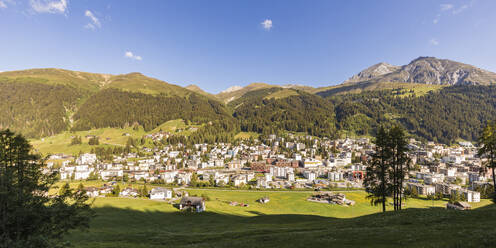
44,102
37,109
293,110
117,108
442,116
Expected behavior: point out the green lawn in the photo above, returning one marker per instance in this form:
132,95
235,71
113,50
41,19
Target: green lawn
61,143
288,220
246,135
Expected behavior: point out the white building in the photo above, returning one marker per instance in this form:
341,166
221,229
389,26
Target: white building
433,179
281,172
312,163
422,189
291,177
335,176
160,193
87,158
309,175
109,174
239,180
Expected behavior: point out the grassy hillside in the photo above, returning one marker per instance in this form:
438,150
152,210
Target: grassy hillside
288,220
61,143
137,82
282,94
355,88
289,89
52,76
198,90
45,102
233,95
246,135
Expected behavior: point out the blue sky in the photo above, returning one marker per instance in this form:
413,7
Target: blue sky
217,44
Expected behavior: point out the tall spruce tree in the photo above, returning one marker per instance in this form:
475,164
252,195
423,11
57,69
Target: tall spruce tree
377,180
487,144
29,215
387,169
398,145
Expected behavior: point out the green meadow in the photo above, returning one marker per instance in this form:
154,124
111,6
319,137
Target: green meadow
288,220
61,143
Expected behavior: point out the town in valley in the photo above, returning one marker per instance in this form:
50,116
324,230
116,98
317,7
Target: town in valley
284,162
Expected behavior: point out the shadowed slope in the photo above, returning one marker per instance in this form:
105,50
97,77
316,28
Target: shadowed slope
434,227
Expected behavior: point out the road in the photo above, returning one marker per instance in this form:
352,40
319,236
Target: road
269,191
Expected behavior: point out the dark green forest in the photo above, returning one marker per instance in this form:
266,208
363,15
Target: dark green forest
442,116
38,110
116,108
301,113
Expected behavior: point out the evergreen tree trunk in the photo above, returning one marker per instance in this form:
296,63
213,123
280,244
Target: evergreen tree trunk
383,183
395,184
400,186
494,178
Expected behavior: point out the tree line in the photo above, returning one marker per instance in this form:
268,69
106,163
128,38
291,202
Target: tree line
37,110
29,215
390,163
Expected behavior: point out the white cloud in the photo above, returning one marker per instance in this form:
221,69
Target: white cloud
436,20
130,55
267,24
445,7
5,3
49,6
95,23
90,26
452,8
460,10
434,42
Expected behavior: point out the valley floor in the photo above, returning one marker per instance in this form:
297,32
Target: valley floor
288,220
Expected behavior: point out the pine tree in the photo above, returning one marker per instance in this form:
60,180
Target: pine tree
194,180
388,167
400,162
212,181
117,190
80,188
487,144
64,189
377,179
29,215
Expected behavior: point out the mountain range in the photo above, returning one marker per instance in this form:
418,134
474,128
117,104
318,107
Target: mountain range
423,70
44,102
426,70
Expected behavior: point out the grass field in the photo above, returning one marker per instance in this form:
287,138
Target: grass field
403,89
282,94
288,220
246,135
61,143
